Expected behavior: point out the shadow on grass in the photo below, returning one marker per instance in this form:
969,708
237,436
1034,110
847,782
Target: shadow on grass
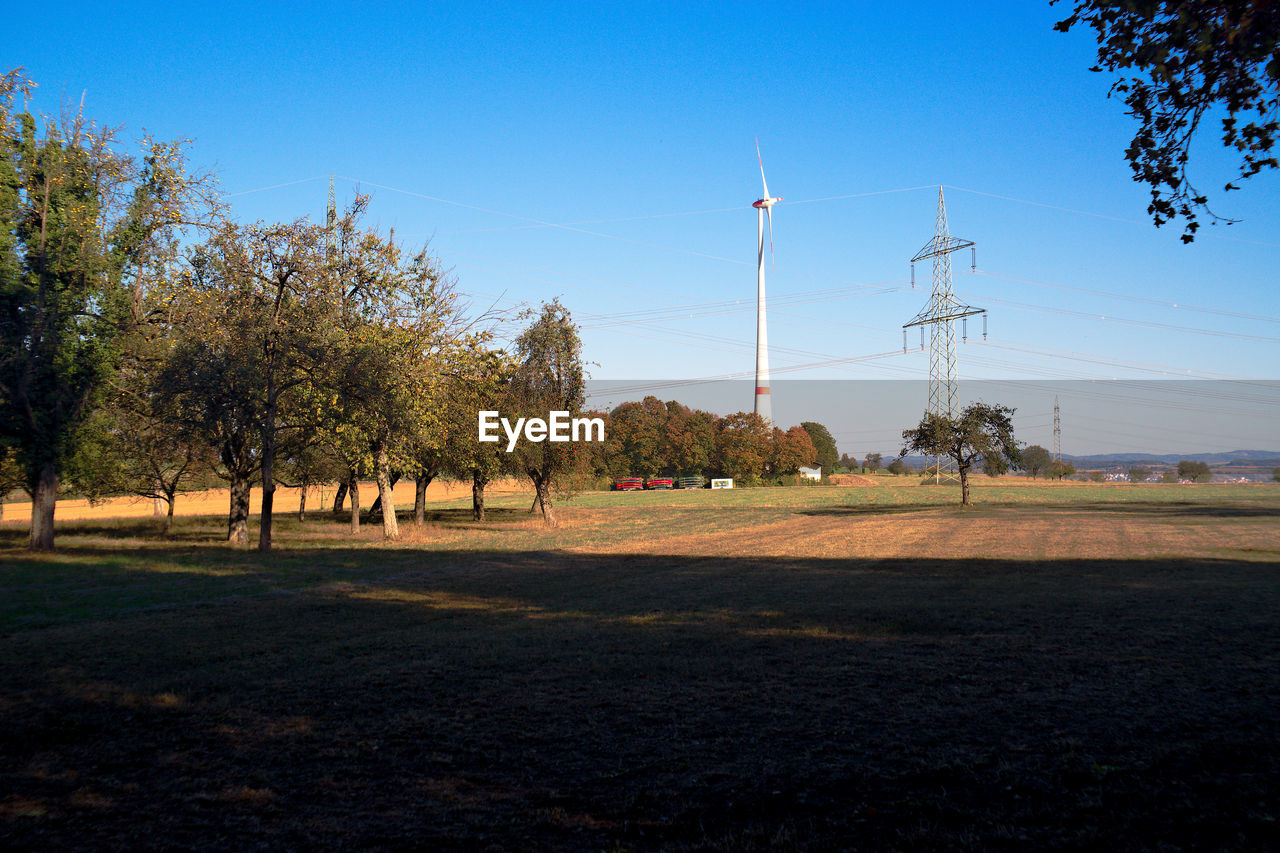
544,700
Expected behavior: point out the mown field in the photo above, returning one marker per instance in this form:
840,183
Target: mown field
1071,667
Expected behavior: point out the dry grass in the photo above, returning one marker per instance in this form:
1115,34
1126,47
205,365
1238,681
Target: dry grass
1062,667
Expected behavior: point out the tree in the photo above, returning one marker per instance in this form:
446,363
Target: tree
898,467
379,381
1275,475
742,446
790,450
1138,475
549,377
639,439
1060,469
872,462
260,306
979,431
1036,460
83,230
1197,472
1169,477
477,381
995,466
690,437
823,442
1189,59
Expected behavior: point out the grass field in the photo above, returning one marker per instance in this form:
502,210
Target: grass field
1074,666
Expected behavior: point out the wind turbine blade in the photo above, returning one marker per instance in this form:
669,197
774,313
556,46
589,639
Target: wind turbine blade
772,262
761,161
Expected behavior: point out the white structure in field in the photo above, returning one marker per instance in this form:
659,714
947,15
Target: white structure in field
811,473
726,483
763,206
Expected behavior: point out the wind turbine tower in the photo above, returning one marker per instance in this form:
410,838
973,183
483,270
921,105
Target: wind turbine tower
763,206
940,316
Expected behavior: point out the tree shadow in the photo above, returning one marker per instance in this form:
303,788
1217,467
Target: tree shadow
391,698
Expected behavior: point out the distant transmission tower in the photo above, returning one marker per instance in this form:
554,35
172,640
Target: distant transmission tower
939,315
1057,431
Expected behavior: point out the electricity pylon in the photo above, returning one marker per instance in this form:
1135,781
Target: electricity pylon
939,315
1057,431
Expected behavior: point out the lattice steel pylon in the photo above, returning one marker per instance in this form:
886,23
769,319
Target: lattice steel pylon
940,315
1057,431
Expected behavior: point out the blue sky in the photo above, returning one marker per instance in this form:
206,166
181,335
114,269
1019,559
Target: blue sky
604,154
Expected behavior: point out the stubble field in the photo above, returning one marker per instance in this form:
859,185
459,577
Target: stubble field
826,668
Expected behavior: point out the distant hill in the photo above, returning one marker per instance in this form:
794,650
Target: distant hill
1248,458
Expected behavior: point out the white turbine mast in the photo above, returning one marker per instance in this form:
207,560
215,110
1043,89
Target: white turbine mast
763,206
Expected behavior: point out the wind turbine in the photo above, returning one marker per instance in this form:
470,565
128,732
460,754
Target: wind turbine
764,407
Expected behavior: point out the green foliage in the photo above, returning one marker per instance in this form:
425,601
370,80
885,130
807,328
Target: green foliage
1169,477
873,462
1138,475
1036,461
1187,60
550,377
897,467
1197,472
824,444
994,466
1275,475
1060,469
83,229
979,431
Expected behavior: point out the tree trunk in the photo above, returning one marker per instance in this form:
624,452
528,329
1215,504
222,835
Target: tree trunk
340,498
542,498
170,498
238,519
390,529
157,507
353,489
302,503
376,507
478,482
964,486
44,497
420,484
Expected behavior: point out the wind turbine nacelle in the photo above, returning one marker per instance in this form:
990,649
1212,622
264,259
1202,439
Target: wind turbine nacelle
766,202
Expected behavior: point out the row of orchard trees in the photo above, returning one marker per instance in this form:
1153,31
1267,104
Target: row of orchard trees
145,337
652,438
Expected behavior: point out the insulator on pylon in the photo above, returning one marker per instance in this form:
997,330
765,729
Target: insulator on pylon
964,330
973,259
904,341
922,337
984,325
913,276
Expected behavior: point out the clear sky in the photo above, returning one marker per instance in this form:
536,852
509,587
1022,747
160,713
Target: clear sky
603,153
